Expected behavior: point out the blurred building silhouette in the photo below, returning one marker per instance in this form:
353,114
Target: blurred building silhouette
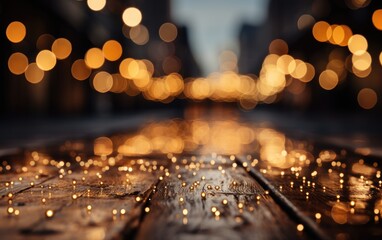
282,22
59,93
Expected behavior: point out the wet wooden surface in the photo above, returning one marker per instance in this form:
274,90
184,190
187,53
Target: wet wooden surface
193,179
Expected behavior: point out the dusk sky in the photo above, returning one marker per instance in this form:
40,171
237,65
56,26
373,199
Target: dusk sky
214,24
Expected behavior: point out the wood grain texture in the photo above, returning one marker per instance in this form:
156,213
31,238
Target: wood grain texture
249,212
111,198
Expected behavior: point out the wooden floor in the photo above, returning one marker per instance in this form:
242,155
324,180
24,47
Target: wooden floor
199,179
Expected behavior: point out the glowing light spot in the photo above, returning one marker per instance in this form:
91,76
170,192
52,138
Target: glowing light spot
132,16
10,210
139,35
300,70
16,32
34,74
46,60
96,5
305,21
300,227
283,64
112,50
320,30
310,72
328,79
185,212
362,62
120,83
102,82
49,213
347,35
80,70
168,32
338,34
339,213
103,146
367,98
278,46
377,19
94,58
17,63
357,44
62,48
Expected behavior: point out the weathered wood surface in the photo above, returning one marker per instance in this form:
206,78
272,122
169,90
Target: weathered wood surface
111,195
337,189
213,202
134,187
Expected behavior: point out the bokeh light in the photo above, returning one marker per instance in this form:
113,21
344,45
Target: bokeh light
102,82
132,16
62,48
168,32
80,70
34,74
94,58
320,31
17,63
46,60
367,98
112,50
357,44
139,34
96,5
16,31
328,79
377,19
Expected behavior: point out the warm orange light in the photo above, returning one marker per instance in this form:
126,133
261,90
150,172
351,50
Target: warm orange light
132,16
328,79
283,64
338,34
102,82
377,19
112,50
301,69
310,72
120,83
33,73
124,67
168,32
139,35
347,35
96,5
367,98
320,30
94,58
79,70
278,46
16,32
362,62
46,60
17,63
103,146
357,44
62,48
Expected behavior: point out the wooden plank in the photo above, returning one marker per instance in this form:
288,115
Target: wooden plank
243,209
111,197
339,190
